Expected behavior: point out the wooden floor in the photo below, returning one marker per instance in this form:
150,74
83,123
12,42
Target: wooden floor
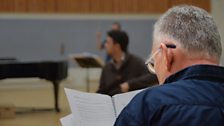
36,97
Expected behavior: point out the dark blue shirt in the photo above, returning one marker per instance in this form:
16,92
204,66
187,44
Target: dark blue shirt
191,97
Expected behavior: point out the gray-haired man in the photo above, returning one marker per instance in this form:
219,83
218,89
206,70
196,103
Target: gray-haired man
185,56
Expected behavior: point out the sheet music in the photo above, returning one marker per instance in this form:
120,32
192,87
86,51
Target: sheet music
91,109
121,100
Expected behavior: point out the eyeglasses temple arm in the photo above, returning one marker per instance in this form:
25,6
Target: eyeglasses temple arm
171,46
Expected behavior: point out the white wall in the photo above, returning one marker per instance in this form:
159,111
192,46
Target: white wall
23,36
218,14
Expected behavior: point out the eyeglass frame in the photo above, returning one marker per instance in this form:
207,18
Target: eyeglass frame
150,61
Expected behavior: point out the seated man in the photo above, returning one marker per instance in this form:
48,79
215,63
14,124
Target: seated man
125,72
186,54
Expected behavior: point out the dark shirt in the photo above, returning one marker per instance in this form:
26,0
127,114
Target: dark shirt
133,70
191,97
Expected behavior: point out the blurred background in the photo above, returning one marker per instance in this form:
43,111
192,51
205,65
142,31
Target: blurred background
53,30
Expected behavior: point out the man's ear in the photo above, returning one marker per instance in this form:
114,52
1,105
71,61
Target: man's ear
167,55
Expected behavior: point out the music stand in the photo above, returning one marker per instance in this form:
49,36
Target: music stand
87,62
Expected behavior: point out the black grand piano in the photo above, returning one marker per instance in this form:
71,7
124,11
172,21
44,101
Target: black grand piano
54,71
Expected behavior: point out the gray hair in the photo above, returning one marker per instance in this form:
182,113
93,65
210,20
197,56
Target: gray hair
193,28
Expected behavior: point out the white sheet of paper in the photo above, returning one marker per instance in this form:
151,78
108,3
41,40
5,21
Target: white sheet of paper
67,120
91,109
121,100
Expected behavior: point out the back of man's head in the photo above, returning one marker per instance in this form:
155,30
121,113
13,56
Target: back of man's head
193,29
121,38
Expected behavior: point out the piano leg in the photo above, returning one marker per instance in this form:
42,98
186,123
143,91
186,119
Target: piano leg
56,92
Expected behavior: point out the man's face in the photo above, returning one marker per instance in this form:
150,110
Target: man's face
115,27
109,45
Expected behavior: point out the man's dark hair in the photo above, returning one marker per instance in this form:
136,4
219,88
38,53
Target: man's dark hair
119,37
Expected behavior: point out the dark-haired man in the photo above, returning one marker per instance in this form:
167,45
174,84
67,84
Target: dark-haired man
116,26
125,72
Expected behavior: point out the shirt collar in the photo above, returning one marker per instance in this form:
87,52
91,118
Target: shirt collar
123,57
202,72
